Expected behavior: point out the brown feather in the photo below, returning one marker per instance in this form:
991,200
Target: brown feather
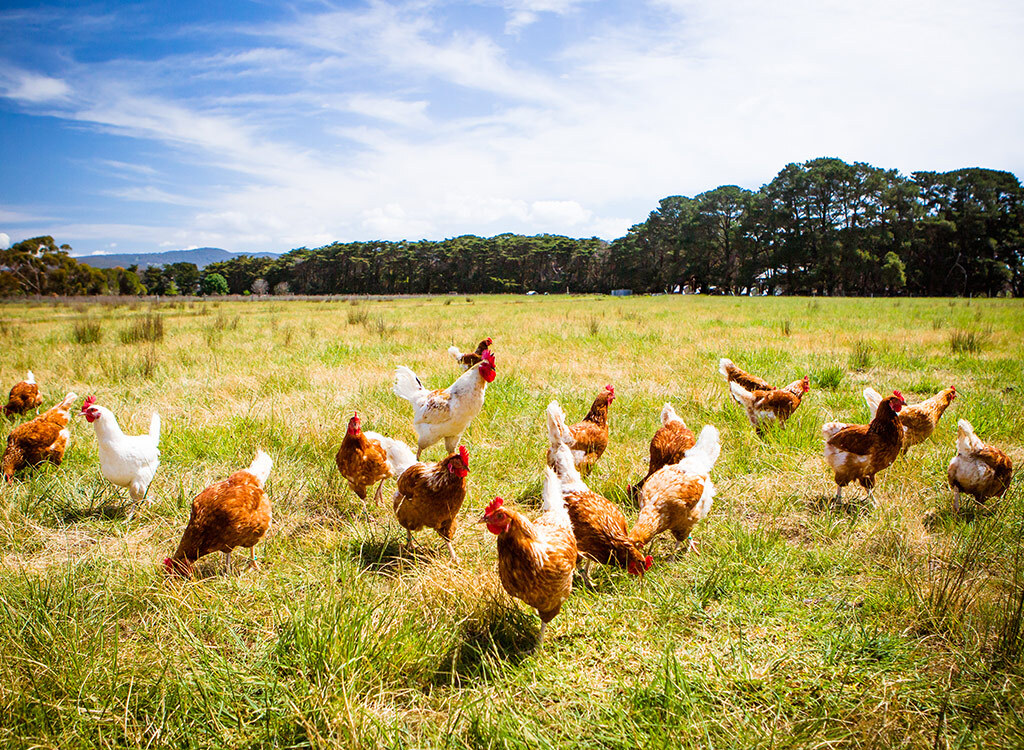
363,462
234,512
44,438
23,397
670,503
745,379
866,450
668,446
536,562
600,530
919,419
429,495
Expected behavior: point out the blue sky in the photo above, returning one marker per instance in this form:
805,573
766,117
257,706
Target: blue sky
144,126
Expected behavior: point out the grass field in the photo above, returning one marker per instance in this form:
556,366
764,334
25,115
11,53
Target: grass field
800,625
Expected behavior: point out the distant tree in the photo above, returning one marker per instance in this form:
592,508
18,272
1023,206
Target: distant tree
260,287
282,288
185,275
38,266
214,283
156,279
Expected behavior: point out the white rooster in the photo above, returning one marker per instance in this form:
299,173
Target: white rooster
128,461
445,413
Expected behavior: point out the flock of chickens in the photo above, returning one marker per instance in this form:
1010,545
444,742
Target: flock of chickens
536,559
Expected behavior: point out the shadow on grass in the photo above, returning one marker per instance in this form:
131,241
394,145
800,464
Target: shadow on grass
946,517
854,507
390,557
102,512
494,637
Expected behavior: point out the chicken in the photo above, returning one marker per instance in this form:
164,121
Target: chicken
918,420
24,396
535,560
128,461
770,406
431,495
977,469
858,452
598,524
366,457
587,439
748,382
234,512
668,446
469,359
44,438
445,414
678,496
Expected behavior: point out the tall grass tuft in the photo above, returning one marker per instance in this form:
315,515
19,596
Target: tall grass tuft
948,590
785,328
86,331
358,316
862,356
147,328
967,342
829,377
381,327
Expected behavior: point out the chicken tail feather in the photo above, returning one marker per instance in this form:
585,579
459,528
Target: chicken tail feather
872,398
407,385
701,458
260,466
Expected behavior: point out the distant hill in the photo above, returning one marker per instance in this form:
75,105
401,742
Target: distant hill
201,256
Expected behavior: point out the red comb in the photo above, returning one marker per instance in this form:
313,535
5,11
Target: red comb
648,562
489,341
610,389
89,401
464,455
495,504
488,357
899,395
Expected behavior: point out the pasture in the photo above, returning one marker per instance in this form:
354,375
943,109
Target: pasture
799,625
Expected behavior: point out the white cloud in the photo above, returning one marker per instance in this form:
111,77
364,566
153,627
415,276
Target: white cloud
150,194
410,114
32,88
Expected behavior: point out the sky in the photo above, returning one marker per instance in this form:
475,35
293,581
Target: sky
265,126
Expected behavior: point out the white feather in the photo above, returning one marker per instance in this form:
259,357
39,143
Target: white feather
128,461
872,398
668,415
701,458
260,466
400,455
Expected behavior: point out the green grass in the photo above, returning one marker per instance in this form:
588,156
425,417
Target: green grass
799,625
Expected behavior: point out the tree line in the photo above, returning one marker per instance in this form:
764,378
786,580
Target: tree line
821,227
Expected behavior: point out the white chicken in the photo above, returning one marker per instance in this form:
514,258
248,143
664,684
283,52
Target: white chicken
128,461
445,413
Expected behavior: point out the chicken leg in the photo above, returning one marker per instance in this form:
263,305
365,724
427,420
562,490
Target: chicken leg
586,573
